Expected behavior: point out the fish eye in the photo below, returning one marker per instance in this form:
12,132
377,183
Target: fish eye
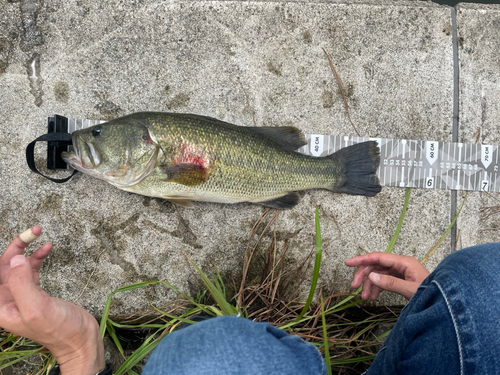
96,131
145,137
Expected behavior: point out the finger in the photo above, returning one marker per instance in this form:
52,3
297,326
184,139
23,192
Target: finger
375,292
363,271
36,259
17,247
393,284
397,264
382,259
360,275
367,287
30,235
29,298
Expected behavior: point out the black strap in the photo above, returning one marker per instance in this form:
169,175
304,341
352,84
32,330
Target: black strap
63,139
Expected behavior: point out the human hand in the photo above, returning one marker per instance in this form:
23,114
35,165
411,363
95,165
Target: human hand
385,271
68,331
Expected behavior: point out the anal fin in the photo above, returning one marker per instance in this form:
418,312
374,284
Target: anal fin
287,201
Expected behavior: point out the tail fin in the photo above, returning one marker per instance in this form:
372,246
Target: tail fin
359,163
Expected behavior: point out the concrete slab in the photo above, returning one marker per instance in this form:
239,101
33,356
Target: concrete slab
479,44
250,63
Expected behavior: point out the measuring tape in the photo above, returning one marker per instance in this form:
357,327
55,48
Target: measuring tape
403,163
423,164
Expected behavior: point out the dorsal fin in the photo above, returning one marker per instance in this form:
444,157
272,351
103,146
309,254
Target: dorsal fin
289,137
201,117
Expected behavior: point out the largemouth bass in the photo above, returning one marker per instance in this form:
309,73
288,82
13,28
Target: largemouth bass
186,158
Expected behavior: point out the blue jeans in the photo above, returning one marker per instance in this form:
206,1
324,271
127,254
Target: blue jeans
452,323
231,345
450,326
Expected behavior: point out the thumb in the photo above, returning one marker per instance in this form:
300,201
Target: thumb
393,284
23,288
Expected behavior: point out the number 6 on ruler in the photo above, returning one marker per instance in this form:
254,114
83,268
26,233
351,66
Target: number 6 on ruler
429,182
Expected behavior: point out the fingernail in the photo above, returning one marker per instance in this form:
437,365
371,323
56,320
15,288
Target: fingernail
374,277
17,261
28,236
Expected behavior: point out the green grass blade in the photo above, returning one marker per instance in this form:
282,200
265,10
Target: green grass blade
400,222
174,319
332,310
143,284
114,337
105,313
325,340
18,356
353,360
118,325
317,264
446,232
216,292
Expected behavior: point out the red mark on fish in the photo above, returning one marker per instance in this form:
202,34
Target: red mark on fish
189,154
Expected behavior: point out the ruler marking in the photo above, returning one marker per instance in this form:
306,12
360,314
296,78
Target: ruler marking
441,170
459,166
455,157
422,158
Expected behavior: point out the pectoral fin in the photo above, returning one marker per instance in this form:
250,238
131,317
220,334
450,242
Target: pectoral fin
186,174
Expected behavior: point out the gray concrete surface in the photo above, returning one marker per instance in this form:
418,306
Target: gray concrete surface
249,63
479,39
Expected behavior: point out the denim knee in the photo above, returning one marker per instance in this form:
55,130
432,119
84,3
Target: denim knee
230,345
473,265
468,280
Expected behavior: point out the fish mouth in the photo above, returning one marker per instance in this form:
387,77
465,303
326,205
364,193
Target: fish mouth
84,156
